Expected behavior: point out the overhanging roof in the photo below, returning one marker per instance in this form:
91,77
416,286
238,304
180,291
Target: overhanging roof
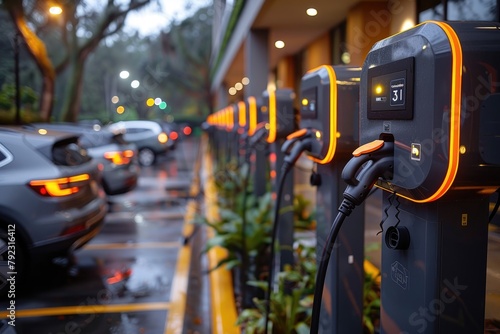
286,20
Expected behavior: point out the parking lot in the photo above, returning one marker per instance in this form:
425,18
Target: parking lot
132,277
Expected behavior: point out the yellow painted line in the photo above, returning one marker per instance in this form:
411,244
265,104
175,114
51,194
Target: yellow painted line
89,309
224,314
140,245
178,291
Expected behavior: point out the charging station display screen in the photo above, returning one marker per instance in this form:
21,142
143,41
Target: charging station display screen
390,92
309,104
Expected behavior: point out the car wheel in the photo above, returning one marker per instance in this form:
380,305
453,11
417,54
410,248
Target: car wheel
11,260
146,157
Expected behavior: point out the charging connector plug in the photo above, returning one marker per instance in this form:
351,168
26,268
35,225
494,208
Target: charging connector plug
296,143
369,162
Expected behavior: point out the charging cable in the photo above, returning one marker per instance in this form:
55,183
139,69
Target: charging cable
293,147
369,162
258,135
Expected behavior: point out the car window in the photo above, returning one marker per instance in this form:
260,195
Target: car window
95,138
118,139
68,153
86,141
136,130
138,134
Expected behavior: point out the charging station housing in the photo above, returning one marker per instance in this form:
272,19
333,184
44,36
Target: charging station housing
433,91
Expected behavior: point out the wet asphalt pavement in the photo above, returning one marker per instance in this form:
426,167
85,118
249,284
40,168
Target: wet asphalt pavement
128,279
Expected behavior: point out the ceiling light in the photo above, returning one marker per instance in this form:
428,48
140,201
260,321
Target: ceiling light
311,12
279,44
407,24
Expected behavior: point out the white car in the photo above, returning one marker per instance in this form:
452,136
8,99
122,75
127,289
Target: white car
148,136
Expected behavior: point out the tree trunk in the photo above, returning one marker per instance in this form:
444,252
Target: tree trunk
73,93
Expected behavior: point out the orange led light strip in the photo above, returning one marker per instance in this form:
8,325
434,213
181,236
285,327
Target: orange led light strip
230,118
271,138
332,145
252,113
455,111
242,114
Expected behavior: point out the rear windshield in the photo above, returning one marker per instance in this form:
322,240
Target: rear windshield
68,153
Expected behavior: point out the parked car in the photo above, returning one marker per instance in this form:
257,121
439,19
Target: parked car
149,137
51,201
120,168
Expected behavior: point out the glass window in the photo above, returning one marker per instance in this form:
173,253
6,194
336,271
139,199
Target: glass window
472,10
458,10
430,10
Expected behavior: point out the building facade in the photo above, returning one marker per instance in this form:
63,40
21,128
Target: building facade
261,44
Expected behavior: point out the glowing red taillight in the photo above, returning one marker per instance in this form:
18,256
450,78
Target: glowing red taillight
60,187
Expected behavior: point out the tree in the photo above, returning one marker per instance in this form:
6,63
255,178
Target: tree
82,28
101,82
183,58
36,48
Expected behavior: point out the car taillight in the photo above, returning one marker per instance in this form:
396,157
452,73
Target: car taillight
119,157
187,130
60,187
162,138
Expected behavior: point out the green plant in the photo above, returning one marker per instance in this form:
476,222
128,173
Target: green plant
291,301
371,303
302,216
229,234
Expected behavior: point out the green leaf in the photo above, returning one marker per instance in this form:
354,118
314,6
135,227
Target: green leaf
302,328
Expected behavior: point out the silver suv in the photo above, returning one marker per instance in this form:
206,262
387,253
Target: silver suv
51,200
148,136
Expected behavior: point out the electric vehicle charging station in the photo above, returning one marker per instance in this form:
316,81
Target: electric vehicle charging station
329,115
257,144
280,117
231,134
433,92
215,121
242,129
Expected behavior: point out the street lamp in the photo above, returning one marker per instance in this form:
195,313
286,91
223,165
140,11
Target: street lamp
55,10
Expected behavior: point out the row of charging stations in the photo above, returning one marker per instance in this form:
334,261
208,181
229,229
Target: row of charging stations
261,125
428,128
